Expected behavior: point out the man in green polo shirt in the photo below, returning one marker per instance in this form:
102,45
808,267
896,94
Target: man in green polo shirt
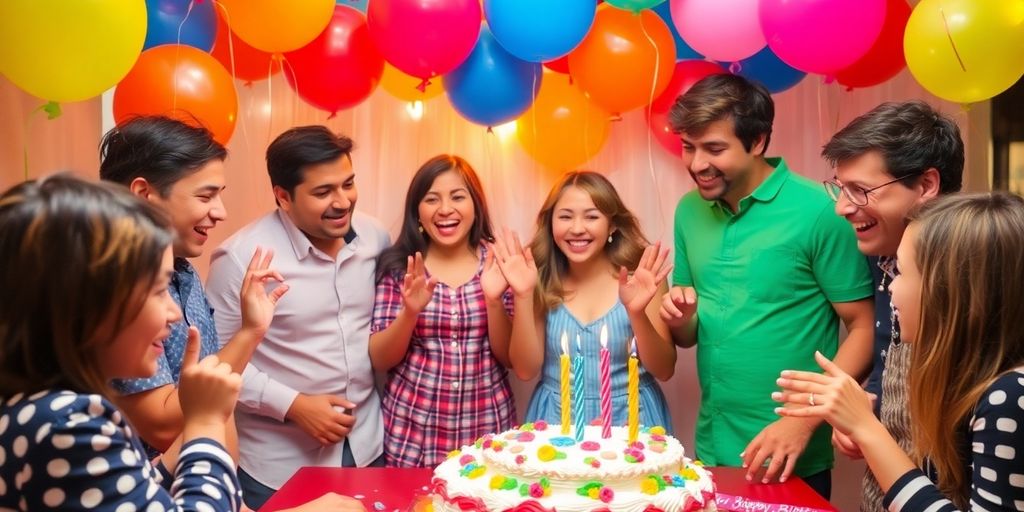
764,270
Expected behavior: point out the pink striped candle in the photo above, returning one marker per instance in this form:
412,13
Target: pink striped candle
606,385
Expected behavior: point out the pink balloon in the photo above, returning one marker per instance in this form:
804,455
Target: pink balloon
424,38
821,36
722,30
686,73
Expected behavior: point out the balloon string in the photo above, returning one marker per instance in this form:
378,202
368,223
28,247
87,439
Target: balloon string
177,56
945,24
650,133
234,76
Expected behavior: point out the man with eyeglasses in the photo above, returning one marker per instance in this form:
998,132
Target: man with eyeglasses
759,246
888,162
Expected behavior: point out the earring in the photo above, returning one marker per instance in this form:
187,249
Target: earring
420,228
609,238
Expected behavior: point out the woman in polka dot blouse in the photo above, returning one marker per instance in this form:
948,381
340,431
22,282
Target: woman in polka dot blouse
960,301
84,270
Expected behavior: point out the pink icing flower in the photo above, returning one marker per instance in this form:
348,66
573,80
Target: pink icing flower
606,494
590,446
487,443
466,459
525,437
520,459
540,425
637,445
536,491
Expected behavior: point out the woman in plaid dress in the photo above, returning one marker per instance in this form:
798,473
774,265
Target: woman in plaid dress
441,321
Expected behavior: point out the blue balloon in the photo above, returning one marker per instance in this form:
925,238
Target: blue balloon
358,4
492,86
539,30
165,17
683,50
770,71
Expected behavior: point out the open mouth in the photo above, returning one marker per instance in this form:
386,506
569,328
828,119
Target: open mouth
337,218
863,227
578,245
447,227
708,177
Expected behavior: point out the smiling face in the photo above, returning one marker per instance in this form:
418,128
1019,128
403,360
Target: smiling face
322,204
580,230
880,224
195,206
446,213
718,162
134,349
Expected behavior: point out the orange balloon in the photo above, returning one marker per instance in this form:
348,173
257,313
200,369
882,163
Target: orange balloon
617,65
278,26
182,82
406,87
250,64
562,129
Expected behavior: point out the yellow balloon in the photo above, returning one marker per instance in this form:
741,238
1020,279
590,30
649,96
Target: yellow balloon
277,25
70,51
562,129
966,50
405,87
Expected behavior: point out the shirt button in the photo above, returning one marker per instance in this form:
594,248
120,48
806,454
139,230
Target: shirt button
455,311
454,345
878,324
455,385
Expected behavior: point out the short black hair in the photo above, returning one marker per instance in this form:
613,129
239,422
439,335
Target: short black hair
294,150
159,149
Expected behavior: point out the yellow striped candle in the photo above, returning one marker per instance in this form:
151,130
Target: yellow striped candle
633,395
565,384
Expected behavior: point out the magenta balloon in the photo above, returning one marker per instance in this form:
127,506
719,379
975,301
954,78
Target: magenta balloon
821,36
424,38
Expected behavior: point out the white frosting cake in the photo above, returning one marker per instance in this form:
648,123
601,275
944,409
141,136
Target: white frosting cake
535,468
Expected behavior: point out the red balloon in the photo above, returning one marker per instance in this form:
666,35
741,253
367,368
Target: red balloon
885,58
687,73
250,64
182,82
338,69
559,65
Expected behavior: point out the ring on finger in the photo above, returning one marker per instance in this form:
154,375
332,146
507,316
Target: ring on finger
810,399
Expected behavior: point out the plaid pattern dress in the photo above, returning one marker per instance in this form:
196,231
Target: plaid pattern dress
449,389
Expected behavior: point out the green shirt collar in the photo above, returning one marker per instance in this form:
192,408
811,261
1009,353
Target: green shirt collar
767,190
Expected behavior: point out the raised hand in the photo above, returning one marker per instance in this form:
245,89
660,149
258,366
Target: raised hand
678,306
492,281
515,262
257,306
417,288
834,396
636,291
208,389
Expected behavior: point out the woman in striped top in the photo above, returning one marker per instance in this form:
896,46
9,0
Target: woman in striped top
573,281
960,302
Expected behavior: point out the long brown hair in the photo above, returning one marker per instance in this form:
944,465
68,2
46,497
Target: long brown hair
73,257
625,249
969,251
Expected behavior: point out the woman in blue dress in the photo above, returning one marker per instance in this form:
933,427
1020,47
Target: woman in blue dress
589,267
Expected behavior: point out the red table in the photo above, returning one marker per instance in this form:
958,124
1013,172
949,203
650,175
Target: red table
397,488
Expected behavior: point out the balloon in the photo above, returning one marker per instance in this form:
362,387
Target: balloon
723,30
250,64
562,130
338,69
687,73
966,50
634,5
424,38
492,86
405,87
539,30
767,69
885,58
69,51
181,82
821,36
683,50
360,5
275,26
617,66
175,22
559,65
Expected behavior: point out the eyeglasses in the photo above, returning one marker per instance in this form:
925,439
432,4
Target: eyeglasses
858,196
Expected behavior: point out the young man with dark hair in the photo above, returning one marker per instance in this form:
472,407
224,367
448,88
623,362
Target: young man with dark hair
180,168
308,396
888,162
774,270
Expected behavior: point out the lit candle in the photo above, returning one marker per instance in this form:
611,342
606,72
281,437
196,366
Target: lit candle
565,383
606,385
577,390
633,394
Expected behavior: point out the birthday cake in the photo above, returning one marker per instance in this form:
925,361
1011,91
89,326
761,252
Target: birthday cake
536,468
